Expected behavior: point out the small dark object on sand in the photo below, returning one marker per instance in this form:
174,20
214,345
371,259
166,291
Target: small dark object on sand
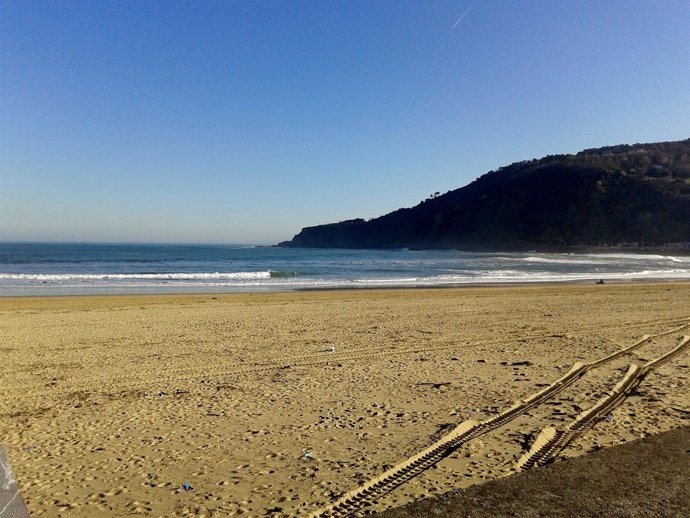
434,384
186,486
601,281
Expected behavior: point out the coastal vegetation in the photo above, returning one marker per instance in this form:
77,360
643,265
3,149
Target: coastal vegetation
617,196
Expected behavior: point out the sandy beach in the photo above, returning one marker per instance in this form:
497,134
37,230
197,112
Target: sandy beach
277,403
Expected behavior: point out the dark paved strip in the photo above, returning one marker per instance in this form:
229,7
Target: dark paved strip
648,478
11,503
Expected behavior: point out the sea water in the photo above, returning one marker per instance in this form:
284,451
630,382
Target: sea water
52,268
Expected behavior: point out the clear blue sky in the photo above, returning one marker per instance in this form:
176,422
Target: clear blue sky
243,121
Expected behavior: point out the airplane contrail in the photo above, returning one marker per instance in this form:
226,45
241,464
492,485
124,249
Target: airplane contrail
464,14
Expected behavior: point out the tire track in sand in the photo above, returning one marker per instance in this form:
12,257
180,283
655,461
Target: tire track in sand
367,493
552,441
168,375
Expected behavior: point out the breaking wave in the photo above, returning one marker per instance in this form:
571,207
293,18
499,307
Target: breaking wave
135,276
56,269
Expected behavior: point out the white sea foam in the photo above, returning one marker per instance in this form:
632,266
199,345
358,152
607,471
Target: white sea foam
562,260
264,279
677,259
510,276
134,276
603,259
267,269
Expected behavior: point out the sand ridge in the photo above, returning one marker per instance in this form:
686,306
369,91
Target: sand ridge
279,403
551,441
547,445
645,478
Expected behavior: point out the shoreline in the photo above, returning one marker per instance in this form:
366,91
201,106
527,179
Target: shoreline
148,269
288,399
268,291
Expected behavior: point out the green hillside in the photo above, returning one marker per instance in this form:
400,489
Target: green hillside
636,195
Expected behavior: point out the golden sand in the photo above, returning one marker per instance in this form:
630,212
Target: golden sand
278,403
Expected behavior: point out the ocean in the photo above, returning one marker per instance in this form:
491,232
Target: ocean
57,269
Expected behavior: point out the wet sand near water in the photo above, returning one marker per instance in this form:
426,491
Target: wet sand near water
278,403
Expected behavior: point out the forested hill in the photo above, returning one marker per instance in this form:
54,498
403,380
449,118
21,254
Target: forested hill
626,194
